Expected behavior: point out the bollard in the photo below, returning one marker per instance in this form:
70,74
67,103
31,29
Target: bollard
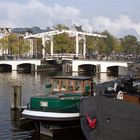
16,97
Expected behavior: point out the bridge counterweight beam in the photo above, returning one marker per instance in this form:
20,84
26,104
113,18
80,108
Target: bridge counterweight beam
84,46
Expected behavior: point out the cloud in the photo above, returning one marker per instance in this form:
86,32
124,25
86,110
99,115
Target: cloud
114,26
36,13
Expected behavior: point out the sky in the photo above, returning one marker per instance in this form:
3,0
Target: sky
119,17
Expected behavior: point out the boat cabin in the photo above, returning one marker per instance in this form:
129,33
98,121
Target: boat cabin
71,85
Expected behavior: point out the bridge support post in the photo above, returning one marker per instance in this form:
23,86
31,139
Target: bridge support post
33,67
98,68
43,47
74,66
51,39
14,67
67,67
84,46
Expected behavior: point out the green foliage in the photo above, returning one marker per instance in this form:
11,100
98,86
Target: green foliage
47,46
110,42
91,43
118,48
24,46
61,27
129,43
63,44
101,46
137,48
14,44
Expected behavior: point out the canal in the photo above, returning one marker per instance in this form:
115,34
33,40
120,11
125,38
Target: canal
12,126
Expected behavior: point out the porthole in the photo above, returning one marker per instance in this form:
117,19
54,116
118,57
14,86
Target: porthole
107,120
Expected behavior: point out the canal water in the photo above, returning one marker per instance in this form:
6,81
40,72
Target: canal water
12,126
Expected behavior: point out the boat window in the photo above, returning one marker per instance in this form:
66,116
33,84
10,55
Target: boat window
63,85
56,85
87,87
78,86
70,85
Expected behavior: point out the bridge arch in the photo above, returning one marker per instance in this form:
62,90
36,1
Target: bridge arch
25,67
5,68
32,63
116,70
87,68
101,66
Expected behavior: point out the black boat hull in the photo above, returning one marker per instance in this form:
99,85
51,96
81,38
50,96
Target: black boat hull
116,119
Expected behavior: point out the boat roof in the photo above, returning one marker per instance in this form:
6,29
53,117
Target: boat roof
73,77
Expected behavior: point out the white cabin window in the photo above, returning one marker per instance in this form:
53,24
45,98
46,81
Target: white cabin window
56,85
63,85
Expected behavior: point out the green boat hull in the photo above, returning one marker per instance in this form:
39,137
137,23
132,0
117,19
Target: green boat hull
53,108
67,104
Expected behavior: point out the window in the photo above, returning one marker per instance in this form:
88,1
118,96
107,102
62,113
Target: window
70,86
63,85
56,85
78,86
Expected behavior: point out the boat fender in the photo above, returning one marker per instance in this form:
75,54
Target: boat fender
91,123
120,95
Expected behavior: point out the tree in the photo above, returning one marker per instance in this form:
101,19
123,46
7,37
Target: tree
138,48
101,46
91,46
118,48
110,43
129,44
47,46
14,44
23,46
3,43
63,43
61,27
91,43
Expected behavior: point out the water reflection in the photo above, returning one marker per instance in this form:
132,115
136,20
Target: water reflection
11,126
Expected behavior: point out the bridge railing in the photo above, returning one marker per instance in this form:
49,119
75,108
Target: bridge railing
134,58
65,55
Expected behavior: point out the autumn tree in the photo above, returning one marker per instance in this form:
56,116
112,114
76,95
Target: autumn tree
14,44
